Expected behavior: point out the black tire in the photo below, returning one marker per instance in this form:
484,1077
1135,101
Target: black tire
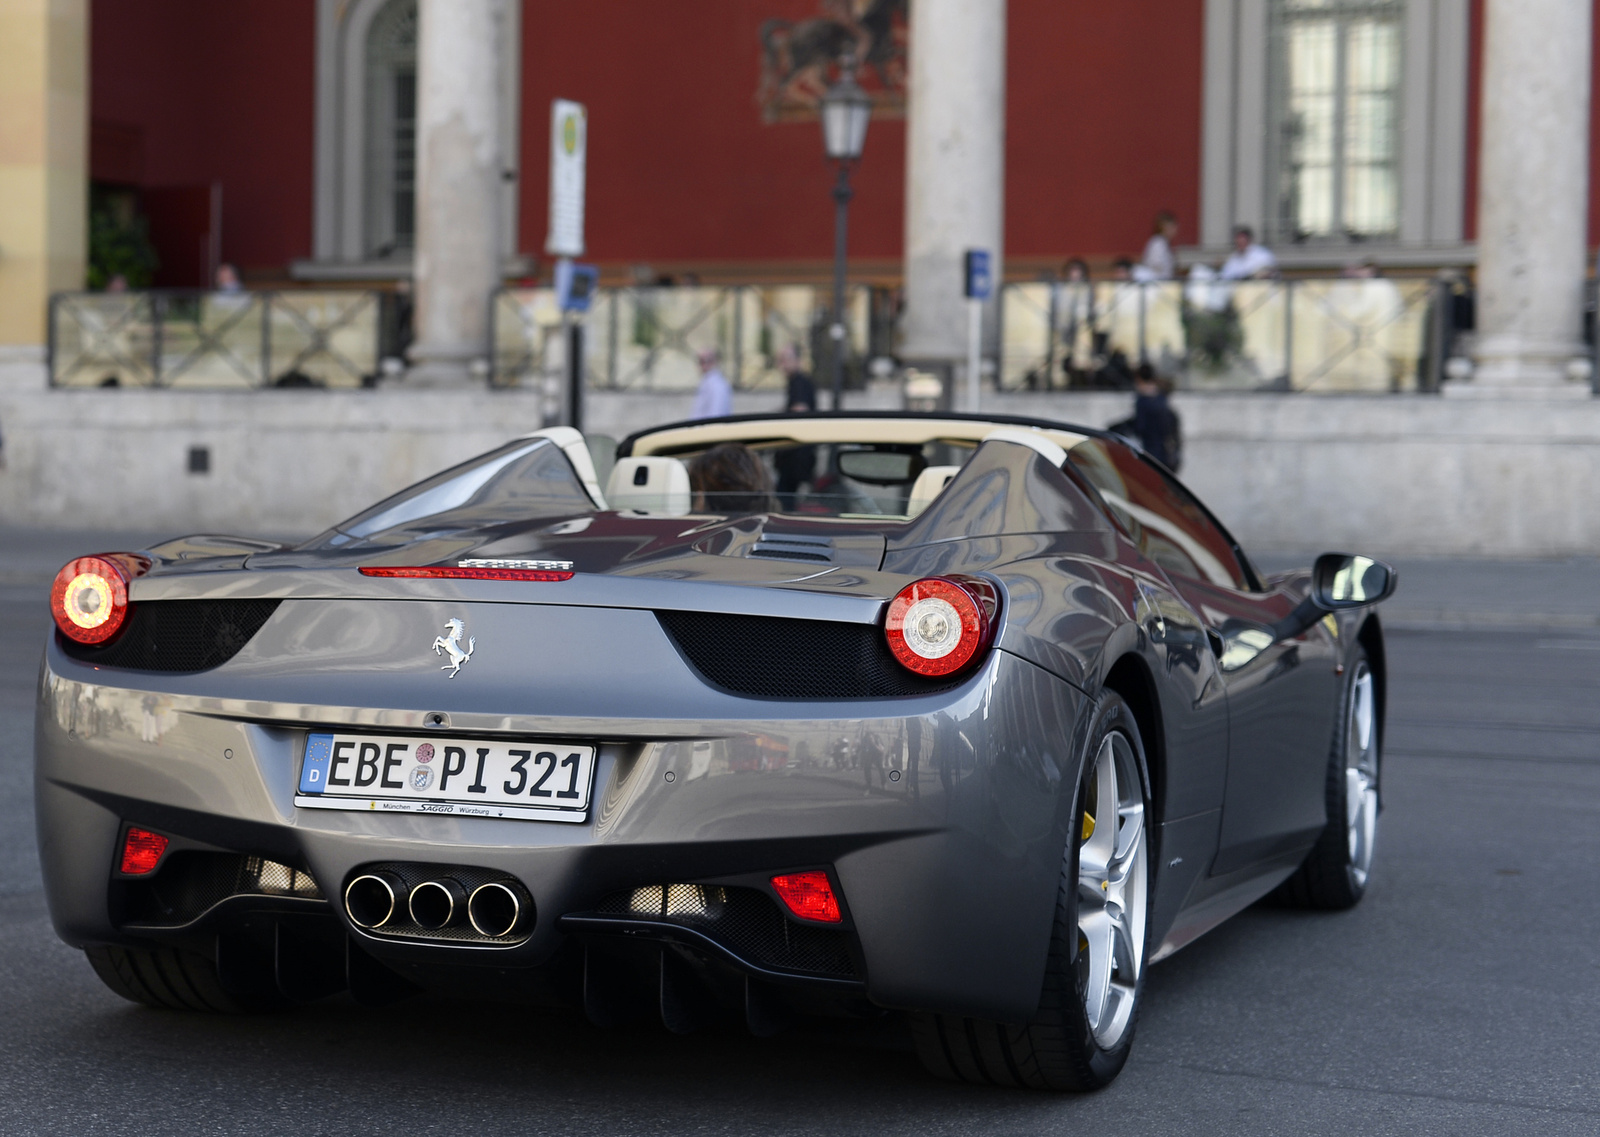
1059,1049
1334,874
166,978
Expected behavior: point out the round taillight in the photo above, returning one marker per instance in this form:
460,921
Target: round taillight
940,624
89,598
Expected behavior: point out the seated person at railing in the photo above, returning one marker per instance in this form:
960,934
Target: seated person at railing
1249,260
729,479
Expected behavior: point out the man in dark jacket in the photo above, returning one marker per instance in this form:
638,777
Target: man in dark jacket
1154,423
796,465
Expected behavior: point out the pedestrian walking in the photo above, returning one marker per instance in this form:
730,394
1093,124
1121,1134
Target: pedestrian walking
714,398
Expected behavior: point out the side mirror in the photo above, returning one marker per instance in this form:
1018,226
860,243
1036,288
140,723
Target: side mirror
1342,580
1339,581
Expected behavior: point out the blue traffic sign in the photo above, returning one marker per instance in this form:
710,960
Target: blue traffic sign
980,281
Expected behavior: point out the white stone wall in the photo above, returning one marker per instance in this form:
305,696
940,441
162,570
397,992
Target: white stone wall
1389,474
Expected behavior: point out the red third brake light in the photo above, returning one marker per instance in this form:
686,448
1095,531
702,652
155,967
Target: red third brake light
808,895
89,598
425,572
141,851
938,625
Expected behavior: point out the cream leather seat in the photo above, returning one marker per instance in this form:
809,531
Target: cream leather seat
653,485
929,485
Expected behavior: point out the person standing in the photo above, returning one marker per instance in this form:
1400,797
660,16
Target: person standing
714,398
1154,422
1159,261
796,465
1249,260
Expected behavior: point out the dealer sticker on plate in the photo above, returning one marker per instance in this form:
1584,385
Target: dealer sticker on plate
534,781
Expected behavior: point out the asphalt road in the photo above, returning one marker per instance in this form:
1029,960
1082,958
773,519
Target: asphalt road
1462,997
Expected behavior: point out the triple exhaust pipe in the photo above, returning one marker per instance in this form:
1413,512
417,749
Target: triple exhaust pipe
380,899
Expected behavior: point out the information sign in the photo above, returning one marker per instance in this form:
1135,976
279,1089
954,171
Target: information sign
569,138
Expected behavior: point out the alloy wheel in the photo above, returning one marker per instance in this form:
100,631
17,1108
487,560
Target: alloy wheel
1113,892
1361,774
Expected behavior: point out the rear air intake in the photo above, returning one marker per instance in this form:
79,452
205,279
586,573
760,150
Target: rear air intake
774,658
177,635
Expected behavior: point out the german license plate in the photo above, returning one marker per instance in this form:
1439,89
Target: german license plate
533,781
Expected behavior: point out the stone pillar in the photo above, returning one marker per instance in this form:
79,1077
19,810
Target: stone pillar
955,166
44,170
1532,197
458,186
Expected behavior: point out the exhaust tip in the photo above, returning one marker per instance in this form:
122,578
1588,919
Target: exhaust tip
437,904
499,909
373,899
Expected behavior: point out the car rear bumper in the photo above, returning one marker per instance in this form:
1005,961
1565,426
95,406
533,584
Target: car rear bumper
939,818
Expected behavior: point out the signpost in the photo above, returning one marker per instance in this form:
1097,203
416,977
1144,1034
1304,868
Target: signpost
569,145
979,285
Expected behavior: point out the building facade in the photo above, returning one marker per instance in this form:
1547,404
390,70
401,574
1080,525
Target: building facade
283,132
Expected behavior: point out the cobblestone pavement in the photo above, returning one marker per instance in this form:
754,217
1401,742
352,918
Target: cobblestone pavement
1462,997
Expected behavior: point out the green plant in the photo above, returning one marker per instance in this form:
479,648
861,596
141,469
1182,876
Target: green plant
119,242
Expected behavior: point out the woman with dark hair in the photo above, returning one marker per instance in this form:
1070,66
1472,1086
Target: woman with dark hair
729,479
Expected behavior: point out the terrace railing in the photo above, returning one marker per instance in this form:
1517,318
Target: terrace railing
215,340
1340,335
647,339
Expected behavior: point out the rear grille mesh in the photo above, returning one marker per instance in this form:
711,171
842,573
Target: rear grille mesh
191,883
775,658
178,635
745,920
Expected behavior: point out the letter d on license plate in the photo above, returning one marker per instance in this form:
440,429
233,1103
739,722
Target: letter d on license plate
532,781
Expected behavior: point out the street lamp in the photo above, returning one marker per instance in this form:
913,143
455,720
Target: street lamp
846,109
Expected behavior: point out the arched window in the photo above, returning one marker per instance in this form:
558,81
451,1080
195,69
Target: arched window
366,161
391,142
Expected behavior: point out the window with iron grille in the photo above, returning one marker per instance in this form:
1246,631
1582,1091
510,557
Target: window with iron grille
1336,107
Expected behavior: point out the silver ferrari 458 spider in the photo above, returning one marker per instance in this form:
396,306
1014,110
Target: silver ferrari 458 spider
968,720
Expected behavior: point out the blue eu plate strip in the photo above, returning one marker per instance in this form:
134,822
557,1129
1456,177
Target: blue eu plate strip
314,771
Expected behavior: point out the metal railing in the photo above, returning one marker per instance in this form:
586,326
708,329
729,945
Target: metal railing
215,340
1341,335
647,339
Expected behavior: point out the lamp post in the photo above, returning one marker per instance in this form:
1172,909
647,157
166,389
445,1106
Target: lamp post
846,109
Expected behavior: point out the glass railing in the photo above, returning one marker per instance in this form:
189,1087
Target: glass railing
1342,335
648,339
215,340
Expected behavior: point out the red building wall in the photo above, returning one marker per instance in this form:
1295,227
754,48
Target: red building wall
217,92
681,167
1103,129
1102,125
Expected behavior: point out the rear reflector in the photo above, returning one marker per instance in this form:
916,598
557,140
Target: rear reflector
470,573
141,851
808,895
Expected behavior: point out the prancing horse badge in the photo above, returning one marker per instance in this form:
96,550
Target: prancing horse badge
451,643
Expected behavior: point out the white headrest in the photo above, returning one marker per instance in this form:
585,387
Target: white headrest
1032,438
929,485
655,485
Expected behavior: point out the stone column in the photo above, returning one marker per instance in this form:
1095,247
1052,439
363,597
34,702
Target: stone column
955,166
1533,189
458,187
44,171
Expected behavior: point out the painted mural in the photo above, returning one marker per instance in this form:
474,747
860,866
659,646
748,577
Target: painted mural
799,58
